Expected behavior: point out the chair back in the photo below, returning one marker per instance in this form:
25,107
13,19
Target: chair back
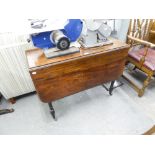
152,33
140,28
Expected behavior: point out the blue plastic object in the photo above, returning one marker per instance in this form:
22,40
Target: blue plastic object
72,30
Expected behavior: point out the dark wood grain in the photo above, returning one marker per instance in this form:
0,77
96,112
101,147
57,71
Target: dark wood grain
59,77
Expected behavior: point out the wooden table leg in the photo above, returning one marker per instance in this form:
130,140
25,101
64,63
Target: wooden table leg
111,87
52,111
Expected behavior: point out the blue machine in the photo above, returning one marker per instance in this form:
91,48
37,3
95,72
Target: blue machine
59,38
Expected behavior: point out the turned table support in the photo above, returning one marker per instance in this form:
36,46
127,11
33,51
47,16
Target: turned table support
112,87
52,111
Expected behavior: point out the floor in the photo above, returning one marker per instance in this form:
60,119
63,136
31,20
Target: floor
89,112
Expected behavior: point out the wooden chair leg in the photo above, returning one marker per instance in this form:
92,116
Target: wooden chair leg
145,84
12,100
134,86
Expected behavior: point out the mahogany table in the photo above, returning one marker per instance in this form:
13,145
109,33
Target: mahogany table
62,76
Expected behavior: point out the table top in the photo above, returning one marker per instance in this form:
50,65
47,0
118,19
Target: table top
36,57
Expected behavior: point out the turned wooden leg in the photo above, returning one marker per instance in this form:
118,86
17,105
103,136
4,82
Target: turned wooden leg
145,84
12,100
111,87
52,111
